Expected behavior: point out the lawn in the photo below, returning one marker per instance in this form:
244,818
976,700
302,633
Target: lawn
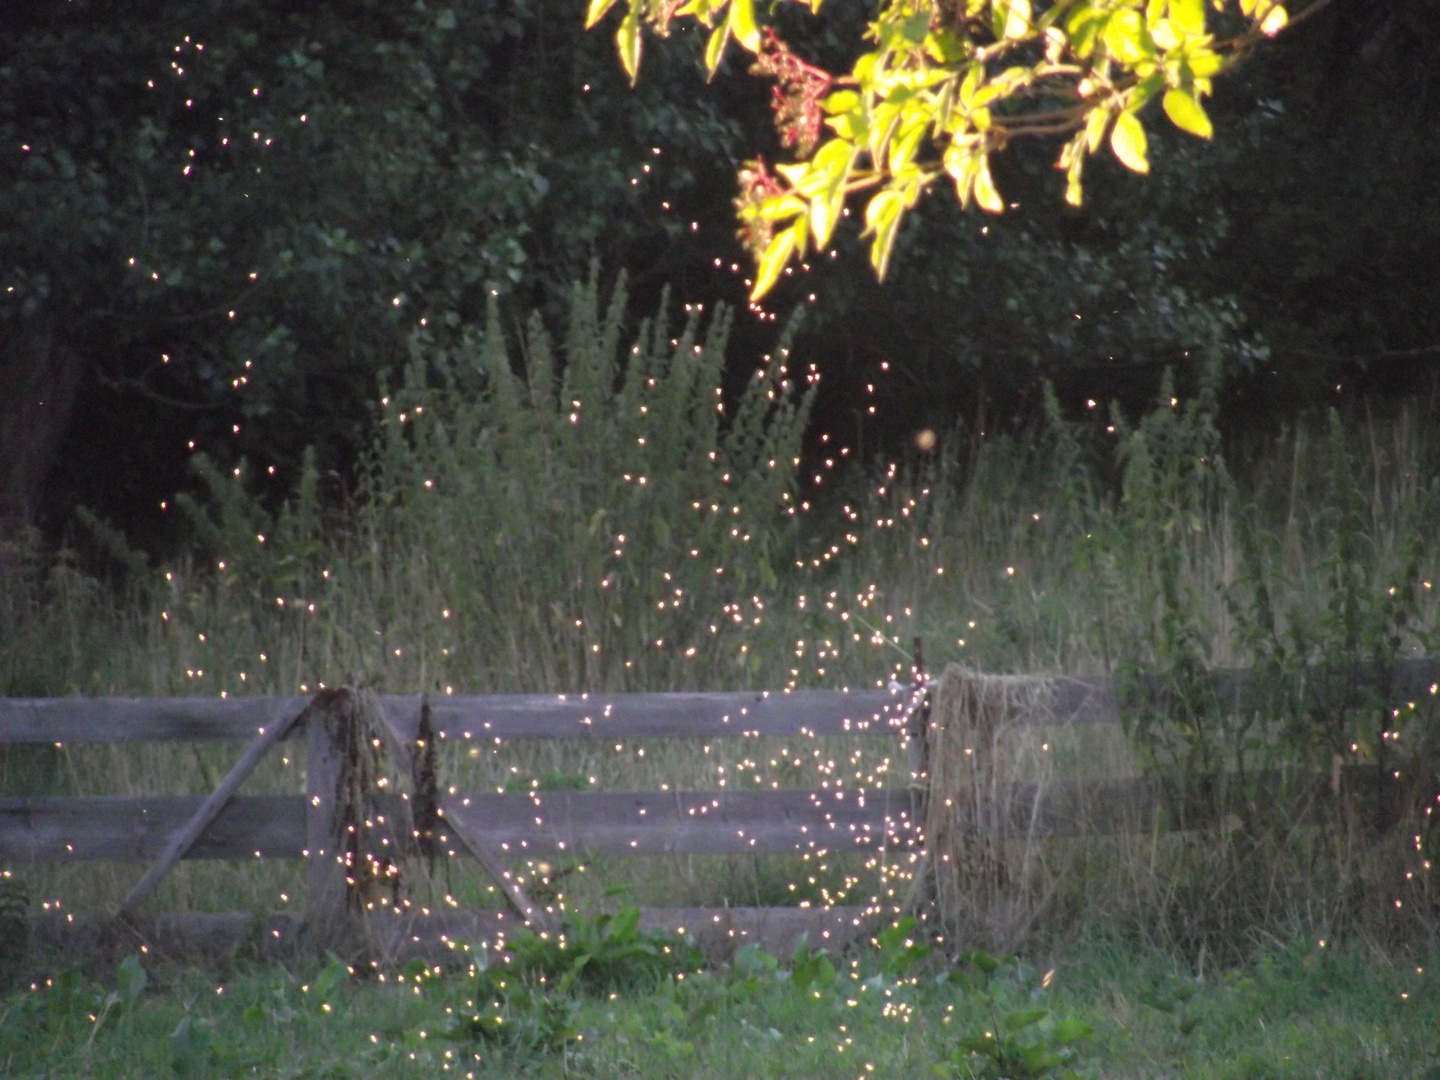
1099,1009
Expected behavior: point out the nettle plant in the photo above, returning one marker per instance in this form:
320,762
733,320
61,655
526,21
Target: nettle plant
597,514
947,83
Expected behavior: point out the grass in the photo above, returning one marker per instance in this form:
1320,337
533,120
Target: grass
1299,1010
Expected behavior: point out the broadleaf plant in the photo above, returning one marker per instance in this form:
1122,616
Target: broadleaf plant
947,84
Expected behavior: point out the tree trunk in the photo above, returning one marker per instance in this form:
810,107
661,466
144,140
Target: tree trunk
38,382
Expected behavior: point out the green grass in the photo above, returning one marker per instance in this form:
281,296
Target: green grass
1299,1011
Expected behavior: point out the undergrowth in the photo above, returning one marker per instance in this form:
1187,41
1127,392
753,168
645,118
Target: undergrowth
1300,1009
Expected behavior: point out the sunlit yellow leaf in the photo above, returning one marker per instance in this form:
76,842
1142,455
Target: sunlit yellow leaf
1072,160
1017,18
1129,143
832,161
823,215
704,10
780,207
1125,37
962,162
715,47
971,83
1186,114
1204,62
985,192
1164,35
742,24
1095,124
1188,16
627,38
597,11
772,263
882,219
1274,22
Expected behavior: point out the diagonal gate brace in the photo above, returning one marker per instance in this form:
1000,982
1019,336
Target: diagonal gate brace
481,848
209,810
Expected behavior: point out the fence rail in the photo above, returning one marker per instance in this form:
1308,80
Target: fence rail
1077,700
494,827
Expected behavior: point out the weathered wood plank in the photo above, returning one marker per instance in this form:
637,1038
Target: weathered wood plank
118,719
591,823
586,823
187,834
135,829
1090,699
503,716
693,823
636,716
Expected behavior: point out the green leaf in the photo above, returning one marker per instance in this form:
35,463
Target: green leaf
627,38
130,981
841,101
772,262
597,11
742,24
916,26
1129,143
1186,114
1023,1018
1071,1029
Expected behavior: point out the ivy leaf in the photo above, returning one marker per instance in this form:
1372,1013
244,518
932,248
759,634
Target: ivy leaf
1129,143
628,40
1186,114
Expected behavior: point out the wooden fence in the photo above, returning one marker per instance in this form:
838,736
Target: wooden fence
496,828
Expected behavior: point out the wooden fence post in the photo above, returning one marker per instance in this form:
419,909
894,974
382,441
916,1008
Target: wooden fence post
917,734
327,895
